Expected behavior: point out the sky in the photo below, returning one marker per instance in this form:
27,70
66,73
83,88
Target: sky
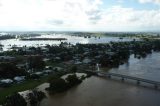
79,15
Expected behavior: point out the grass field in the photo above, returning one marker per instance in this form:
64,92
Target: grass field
28,84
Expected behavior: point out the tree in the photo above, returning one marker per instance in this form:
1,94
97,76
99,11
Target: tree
36,62
73,69
35,97
9,70
15,100
73,80
58,85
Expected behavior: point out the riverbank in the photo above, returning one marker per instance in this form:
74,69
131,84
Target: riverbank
31,84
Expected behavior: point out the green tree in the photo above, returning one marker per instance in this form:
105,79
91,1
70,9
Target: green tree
58,85
15,100
9,70
36,62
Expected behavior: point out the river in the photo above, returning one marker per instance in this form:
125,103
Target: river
98,91
147,68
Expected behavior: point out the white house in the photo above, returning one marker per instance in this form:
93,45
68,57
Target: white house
7,81
86,61
19,78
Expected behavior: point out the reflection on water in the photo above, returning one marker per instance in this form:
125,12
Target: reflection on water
148,68
97,91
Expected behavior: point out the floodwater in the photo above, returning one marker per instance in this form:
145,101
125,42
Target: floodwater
98,91
70,39
147,68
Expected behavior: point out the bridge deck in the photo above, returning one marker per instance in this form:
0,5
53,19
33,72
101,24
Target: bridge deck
155,83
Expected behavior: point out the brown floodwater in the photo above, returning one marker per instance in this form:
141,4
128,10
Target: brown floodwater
97,91
147,68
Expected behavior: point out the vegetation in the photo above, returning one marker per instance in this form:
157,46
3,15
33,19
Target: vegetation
109,55
61,85
73,80
15,100
4,37
36,62
9,70
58,85
73,69
71,57
28,35
28,84
35,97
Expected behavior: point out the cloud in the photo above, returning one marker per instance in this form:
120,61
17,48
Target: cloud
94,15
120,1
150,1
49,13
74,15
120,18
55,22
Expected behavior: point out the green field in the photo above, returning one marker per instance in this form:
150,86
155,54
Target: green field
29,84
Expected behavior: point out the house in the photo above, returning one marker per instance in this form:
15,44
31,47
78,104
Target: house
110,53
85,53
7,58
47,72
57,68
57,58
19,78
46,59
77,63
22,66
7,81
38,73
48,67
86,61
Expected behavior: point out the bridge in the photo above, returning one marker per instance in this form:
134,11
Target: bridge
125,77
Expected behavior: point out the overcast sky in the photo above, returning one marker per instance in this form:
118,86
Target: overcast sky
80,15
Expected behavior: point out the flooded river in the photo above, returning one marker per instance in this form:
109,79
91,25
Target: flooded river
98,91
147,68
